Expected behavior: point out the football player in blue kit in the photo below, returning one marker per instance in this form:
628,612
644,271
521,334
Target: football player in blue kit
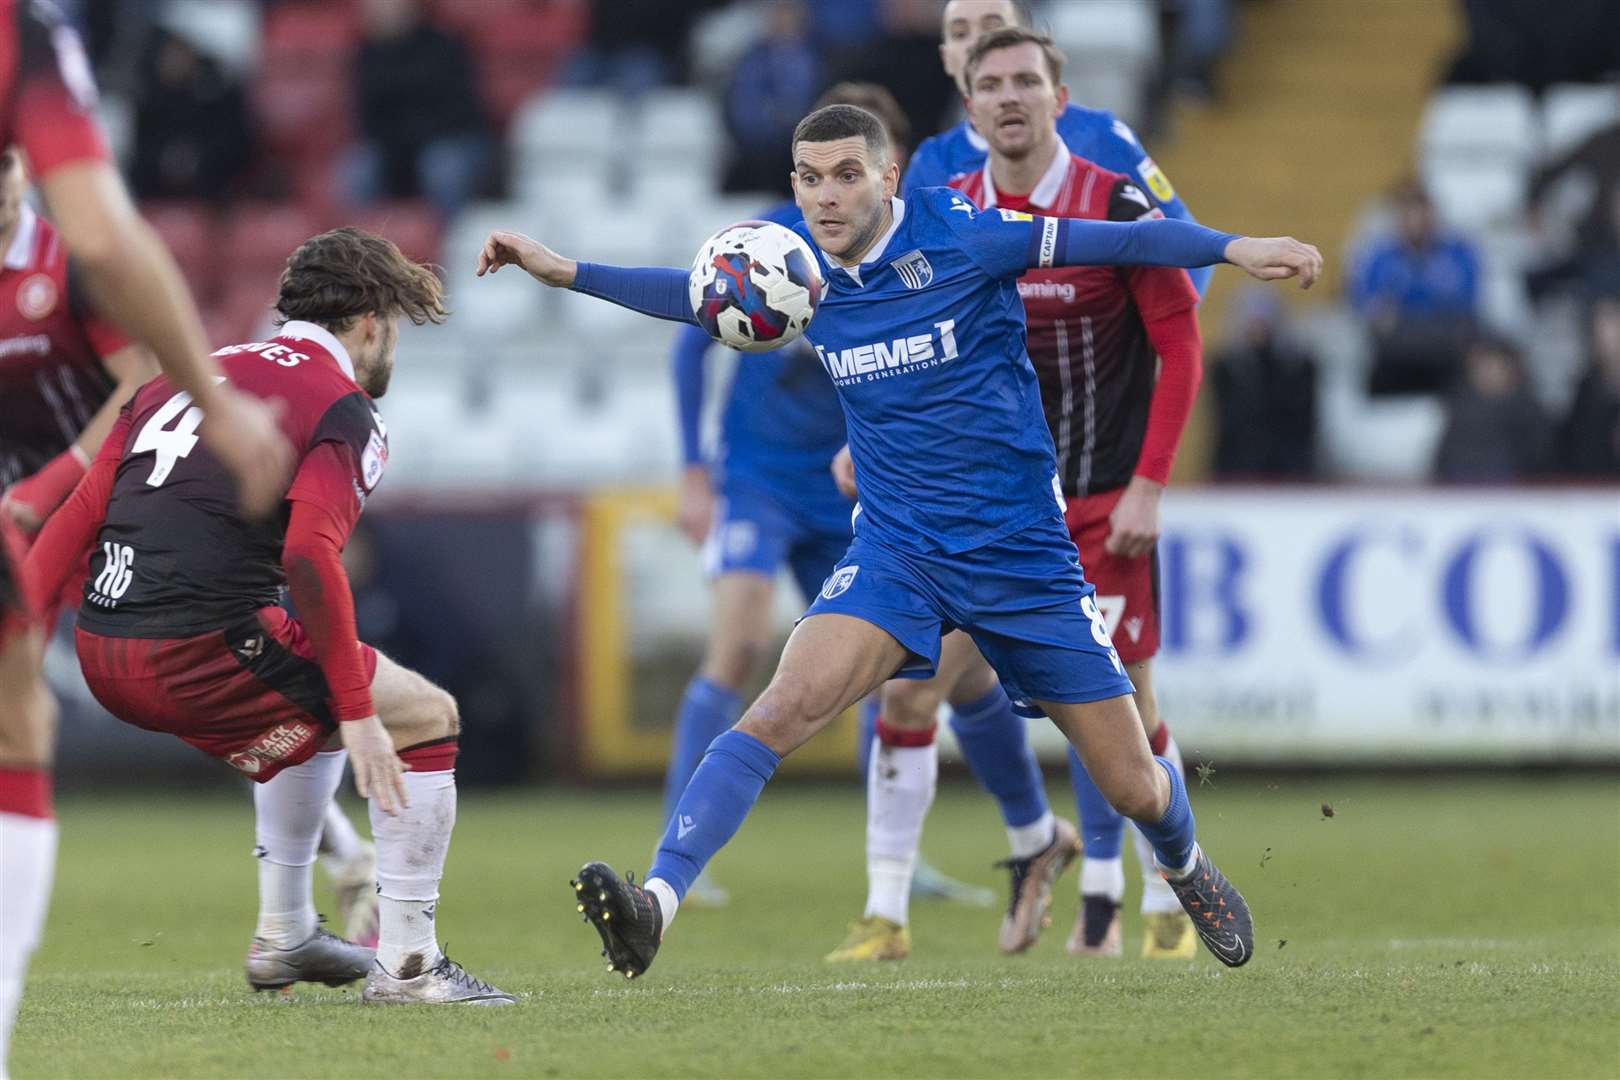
960,524
764,499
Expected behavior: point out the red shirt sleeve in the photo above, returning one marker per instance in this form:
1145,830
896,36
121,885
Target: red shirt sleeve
325,507
54,96
1181,368
59,551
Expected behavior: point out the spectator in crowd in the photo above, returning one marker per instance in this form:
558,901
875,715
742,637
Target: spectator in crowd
1593,267
422,123
905,59
1536,44
634,46
772,88
1417,290
1265,397
1589,438
191,122
1495,430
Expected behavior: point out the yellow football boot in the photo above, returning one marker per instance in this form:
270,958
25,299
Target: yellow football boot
873,939
1168,935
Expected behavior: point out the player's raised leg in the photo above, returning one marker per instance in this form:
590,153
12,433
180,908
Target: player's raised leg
27,824
831,661
1109,738
738,635
412,843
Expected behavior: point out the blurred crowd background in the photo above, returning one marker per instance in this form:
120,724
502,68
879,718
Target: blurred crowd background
1458,160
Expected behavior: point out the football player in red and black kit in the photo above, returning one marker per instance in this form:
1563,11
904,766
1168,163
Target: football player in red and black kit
181,629
1119,358
47,95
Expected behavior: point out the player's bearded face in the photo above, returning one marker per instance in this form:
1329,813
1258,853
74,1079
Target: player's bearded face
1013,101
843,190
375,366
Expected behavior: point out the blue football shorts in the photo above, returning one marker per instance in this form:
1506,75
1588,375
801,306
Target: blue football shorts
757,530
1023,599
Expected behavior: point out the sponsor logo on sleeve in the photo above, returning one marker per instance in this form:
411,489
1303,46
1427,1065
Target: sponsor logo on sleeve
1157,182
374,460
1013,215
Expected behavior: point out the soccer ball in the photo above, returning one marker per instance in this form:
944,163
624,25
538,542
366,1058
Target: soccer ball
754,286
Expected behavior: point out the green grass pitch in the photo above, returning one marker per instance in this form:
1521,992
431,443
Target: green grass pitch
1434,927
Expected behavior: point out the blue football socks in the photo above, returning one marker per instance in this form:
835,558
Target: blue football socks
1172,835
1102,828
707,710
995,742
712,808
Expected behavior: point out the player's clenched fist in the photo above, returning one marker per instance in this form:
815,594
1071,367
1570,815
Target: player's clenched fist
514,249
378,772
1271,258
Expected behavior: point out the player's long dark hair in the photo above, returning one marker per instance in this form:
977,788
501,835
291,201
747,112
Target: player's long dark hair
338,276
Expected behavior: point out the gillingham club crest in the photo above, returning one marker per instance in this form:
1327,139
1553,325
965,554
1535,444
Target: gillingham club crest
839,583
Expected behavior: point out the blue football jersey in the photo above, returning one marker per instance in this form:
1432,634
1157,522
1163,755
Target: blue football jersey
1095,134
782,423
925,343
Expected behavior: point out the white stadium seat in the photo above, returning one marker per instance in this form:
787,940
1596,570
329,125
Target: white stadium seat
568,122
1476,195
1478,123
1572,111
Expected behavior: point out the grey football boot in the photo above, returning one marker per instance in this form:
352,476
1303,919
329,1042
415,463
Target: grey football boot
445,983
323,958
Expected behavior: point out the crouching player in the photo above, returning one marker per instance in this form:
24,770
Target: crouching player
180,630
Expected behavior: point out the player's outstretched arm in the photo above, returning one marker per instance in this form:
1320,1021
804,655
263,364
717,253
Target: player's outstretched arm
59,550
135,281
659,291
1166,242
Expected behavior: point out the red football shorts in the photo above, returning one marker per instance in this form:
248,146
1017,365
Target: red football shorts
251,694
1127,588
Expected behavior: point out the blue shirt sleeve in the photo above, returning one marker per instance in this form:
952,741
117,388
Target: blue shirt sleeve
659,291
686,365
1119,150
1005,243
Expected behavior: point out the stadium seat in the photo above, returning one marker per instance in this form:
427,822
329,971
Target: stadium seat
1572,111
519,48
1477,195
1112,47
259,237
1478,123
189,231
578,122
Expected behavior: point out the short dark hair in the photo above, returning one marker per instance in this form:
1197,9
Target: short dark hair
336,277
833,122
875,99
1009,37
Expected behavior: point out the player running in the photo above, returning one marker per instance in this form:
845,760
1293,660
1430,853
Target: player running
922,331
181,629
47,98
1096,336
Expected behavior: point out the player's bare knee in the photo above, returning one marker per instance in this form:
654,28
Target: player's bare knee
910,705
732,663
1136,793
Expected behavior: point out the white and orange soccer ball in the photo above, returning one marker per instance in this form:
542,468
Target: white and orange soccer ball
754,286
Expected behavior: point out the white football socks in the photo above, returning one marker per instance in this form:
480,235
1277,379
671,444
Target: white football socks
27,860
289,812
411,848
1103,877
900,783
340,840
1028,841
664,893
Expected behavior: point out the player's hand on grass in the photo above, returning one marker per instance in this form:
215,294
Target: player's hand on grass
241,431
378,772
514,249
1272,258
694,508
1133,527
843,470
